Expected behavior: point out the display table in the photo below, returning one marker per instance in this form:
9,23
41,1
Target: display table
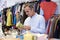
10,39
39,37
19,39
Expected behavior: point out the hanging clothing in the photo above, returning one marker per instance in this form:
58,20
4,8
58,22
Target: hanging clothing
53,32
50,24
4,14
41,12
9,18
0,16
37,7
17,13
17,17
52,27
23,15
57,30
14,15
48,9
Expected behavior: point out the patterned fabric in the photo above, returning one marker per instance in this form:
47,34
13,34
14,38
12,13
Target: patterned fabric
57,31
52,27
51,22
48,27
48,8
54,30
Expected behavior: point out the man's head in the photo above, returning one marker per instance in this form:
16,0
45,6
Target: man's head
29,9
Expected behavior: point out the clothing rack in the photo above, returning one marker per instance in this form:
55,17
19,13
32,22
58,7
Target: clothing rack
23,3
29,2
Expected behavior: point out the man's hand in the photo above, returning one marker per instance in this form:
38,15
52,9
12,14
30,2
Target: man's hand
27,27
20,28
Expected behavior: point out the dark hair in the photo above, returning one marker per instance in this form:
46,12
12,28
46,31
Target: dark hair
48,0
0,15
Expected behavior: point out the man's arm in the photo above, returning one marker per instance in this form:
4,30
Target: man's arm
41,26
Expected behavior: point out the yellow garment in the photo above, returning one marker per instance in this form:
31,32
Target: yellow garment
28,36
19,25
9,18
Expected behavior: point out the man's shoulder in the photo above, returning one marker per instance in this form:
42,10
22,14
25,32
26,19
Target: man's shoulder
27,18
40,16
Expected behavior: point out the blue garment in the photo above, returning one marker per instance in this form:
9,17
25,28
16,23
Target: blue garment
14,21
14,15
0,14
41,11
20,36
37,23
14,10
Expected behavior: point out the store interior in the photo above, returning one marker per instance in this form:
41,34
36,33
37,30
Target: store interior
13,17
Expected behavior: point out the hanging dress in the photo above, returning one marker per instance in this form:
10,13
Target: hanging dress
9,18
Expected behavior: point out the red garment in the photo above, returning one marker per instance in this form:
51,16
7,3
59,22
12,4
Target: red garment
48,8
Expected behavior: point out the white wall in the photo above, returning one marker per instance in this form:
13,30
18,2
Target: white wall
58,6
57,1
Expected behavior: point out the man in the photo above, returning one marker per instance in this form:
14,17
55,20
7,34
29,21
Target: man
34,22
